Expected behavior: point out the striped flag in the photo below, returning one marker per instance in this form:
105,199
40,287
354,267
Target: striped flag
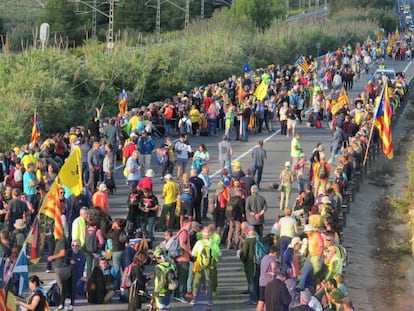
342,98
21,268
52,209
382,119
303,64
35,128
34,240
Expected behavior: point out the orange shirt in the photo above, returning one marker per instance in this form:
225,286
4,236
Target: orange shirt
316,169
315,244
100,199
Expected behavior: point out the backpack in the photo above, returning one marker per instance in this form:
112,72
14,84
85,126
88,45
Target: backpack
184,126
162,156
53,295
91,243
205,257
323,171
174,249
126,277
259,251
170,276
187,192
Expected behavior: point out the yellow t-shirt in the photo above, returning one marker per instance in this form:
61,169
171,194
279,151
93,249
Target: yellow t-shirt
194,115
170,192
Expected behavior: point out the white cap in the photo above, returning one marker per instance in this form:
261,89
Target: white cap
287,163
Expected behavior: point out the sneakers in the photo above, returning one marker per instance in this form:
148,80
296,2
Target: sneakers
60,307
181,299
189,295
70,308
192,302
48,271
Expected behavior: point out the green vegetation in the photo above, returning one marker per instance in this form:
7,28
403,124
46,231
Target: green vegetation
66,84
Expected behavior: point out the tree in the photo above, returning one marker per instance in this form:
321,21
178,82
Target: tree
63,21
262,12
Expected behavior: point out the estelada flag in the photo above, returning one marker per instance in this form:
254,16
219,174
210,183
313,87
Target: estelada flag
261,91
52,209
70,174
35,128
303,64
382,119
123,102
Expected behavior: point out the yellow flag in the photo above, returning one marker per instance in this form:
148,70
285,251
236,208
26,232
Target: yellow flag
70,174
261,91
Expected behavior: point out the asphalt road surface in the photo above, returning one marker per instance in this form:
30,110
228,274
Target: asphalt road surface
232,281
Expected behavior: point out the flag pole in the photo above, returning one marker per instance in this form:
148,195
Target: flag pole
372,128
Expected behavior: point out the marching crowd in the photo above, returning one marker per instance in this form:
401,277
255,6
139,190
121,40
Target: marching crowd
285,269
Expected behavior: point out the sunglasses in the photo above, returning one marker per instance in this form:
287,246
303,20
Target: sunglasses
75,245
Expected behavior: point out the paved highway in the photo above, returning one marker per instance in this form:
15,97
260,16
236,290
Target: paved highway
231,278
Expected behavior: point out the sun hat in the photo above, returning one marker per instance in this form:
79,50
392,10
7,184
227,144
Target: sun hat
19,224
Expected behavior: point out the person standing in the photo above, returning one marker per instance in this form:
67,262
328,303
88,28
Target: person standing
225,153
161,292
286,180
337,143
268,269
204,176
145,147
183,262
79,227
295,148
198,193
77,261
94,164
133,168
182,148
29,185
61,268
277,295
256,207
169,193
258,156
108,165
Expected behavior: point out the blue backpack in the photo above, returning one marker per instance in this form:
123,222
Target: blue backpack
259,251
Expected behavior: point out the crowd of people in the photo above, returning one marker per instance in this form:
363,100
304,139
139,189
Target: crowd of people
100,256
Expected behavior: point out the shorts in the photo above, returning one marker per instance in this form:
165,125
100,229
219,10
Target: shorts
262,293
182,162
186,209
291,124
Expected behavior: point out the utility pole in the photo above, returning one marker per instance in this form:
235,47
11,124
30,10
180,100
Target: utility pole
158,19
110,40
110,16
202,10
187,14
94,20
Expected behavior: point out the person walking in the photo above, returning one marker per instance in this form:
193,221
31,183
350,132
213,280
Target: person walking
170,191
146,146
259,156
295,148
225,153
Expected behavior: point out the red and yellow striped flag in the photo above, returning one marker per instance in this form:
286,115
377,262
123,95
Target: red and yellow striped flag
34,240
382,119
52,209
2,299
35,128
